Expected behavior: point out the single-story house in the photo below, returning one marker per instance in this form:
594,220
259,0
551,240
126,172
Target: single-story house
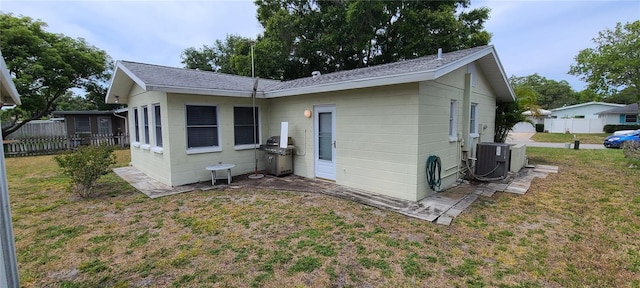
9,267
371,128
101,122
587,110
625,115
535,117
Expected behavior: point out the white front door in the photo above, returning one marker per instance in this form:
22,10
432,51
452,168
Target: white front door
325,141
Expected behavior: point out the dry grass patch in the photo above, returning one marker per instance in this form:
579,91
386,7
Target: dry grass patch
576,228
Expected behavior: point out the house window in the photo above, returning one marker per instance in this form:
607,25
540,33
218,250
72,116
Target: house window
453,115
473,120
83,124
158,125
136,124
202,128
145,121
630,118
243,127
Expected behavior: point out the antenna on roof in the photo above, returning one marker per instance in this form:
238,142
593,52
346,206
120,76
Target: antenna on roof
439,53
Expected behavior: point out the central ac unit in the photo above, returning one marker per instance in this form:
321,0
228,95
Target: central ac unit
493,160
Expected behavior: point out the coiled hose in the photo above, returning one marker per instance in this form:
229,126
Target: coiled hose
434,172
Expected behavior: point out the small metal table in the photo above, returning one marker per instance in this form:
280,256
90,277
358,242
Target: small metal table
218,167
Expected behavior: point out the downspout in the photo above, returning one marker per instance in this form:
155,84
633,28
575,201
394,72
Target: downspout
126,126
466,115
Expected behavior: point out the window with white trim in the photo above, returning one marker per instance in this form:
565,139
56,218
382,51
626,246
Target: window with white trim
630,118
453,123
243,126
473,119
157,123
145,122
83,124
136,124
202,127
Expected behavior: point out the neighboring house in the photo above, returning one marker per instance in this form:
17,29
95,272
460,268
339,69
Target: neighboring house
9,266
587,110
625,115
580,118
371,128
534,118
94,122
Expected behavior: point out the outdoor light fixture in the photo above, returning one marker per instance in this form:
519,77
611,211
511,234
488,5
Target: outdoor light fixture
117,99
307,113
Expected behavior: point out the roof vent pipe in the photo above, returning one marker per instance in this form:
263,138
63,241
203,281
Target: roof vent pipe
315,74
439,53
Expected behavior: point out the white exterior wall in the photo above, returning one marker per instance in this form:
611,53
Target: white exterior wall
588,111
376,136
613,119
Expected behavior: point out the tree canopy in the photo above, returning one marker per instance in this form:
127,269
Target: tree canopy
549,94
614,64
301,36
46,66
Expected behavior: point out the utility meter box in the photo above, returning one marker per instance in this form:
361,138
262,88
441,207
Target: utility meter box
493,160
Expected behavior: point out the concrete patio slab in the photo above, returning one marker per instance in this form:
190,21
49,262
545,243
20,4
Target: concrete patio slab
441,208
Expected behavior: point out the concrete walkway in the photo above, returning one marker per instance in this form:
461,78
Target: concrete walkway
441,208
525,138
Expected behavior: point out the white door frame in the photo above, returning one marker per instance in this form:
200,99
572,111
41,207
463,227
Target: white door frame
324,168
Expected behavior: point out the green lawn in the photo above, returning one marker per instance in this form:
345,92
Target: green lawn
577,228
564,138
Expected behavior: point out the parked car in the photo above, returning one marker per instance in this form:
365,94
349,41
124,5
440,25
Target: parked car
625,132
617,141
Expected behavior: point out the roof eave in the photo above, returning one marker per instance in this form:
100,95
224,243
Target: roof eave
8,90
353,84
199,91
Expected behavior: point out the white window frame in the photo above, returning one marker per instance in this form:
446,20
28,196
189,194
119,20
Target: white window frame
247,146
146,133
157,124
136,127
626,118
208,149
473,121
453,120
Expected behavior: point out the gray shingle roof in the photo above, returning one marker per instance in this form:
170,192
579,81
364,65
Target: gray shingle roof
162,76
428,63
181,80
629,109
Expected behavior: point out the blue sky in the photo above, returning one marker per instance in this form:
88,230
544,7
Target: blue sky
530,36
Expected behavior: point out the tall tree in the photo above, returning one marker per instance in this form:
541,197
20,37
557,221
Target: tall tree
231,56
302,36
46,65
550,93
340,35
614,64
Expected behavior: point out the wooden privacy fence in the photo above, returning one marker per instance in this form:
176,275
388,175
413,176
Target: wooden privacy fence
52,145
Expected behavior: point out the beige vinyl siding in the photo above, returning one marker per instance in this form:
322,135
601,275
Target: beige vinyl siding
376,136
157,166
190,168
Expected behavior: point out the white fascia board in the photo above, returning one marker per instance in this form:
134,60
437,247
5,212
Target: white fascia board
354,84
199,91
7,82
120,69
505,79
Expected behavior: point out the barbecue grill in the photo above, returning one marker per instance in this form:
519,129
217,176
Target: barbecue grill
278,160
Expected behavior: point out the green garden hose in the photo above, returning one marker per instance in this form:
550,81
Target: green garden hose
434,165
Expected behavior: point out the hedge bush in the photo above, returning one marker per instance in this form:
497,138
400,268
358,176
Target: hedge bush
610,128
85,166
